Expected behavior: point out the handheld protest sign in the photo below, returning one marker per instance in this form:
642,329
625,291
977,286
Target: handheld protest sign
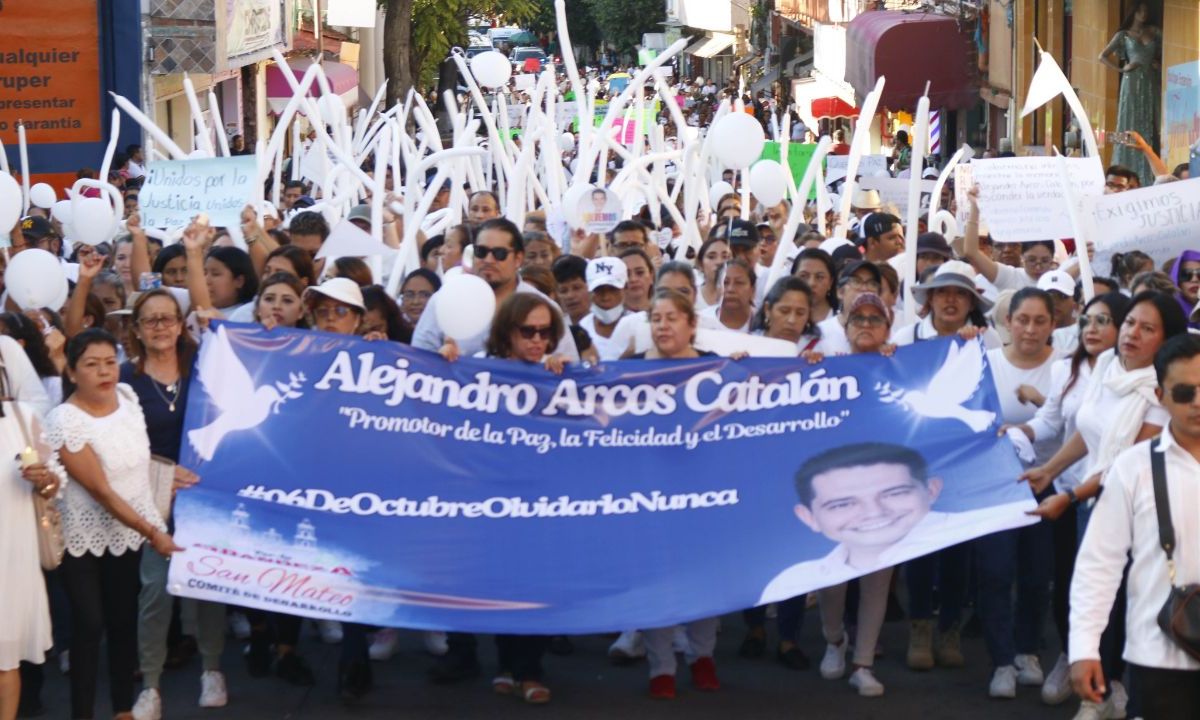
599,210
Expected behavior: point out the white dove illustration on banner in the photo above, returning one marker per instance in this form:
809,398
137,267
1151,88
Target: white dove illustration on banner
242,405
954,383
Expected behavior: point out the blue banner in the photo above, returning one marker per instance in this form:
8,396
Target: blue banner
373,482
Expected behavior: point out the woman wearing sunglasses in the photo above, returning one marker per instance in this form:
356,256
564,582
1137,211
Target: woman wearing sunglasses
1069,378
1186,275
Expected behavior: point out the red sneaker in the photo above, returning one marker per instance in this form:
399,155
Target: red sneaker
662,687
704,674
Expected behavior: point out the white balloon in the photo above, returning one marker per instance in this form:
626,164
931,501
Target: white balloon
35,279
737,140
42,195
10,202
944,223
699,81
570,204
92,221
768,182
566,142
61,211
491,69
717,191
465,306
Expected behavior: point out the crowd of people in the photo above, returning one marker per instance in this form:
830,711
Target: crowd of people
1084,380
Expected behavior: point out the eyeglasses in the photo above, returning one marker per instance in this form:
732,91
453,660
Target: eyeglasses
529,332
868,320
159,321
1189,275
409,295
860,284
482,251
1100,321
328,313
1038,262
1183,394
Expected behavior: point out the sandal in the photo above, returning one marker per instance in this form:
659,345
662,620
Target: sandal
535,693
503,684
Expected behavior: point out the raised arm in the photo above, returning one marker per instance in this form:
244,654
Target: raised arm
259,242
89,268
971,252
139,256
194,242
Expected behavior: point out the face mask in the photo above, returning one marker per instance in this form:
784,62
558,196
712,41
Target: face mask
607,317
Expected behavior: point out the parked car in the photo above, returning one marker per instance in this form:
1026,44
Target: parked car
528,59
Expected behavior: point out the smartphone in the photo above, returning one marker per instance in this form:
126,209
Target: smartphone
149,281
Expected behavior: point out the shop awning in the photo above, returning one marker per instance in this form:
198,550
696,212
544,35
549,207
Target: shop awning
343,80
710,46
816,98
832,107
909,49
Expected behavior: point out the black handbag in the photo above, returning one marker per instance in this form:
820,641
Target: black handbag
1180,614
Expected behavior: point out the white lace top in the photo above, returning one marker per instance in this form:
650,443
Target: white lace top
120,443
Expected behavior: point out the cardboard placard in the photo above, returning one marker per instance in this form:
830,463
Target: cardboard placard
178,190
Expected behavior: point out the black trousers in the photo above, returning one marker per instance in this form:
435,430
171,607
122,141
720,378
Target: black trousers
1166,694
1066,541
521,655
103,593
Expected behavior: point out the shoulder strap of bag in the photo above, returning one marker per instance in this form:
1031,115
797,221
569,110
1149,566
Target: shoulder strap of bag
1162,502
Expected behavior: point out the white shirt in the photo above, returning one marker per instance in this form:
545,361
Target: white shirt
1095,416
714,312
1008,378
923,330
1056,419
1123,521
935,531
608,348
1011,278
833,335
1065,340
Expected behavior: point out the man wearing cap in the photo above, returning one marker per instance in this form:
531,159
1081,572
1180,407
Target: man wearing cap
932,250
855,278
1061,287
499,250
743,239
883,237
606,279
953,305
36,233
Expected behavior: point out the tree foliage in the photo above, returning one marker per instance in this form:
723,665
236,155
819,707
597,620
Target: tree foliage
580,22
622,22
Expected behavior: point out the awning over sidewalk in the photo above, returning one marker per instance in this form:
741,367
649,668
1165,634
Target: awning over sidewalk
710,46
909,49
343,80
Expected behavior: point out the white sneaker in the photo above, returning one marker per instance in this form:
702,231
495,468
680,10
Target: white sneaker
864,681
679,641
435,643
1004,682
1057,687
1091,711
239,624
383,646
148,705
330,631
212,690
1029,670
833,665
629,646
64,662
1117,701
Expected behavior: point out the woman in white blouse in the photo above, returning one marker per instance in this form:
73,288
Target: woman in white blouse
108,513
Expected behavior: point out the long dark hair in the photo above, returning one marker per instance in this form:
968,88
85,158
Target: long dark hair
783,286
830,267
77,346
23,330
239,265
1117,305
1173,320
300,260
185,346
398,329
1126,266
1127,23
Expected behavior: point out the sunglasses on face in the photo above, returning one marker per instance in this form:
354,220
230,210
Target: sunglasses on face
328,313
500,253
868,320
1189,275
1100,321
529,332
1183,394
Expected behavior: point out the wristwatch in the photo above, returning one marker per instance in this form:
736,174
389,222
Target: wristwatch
1072,496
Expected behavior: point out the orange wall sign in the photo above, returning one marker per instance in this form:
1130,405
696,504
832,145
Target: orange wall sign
50,71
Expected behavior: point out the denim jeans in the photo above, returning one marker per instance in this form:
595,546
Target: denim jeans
945,570
1025,558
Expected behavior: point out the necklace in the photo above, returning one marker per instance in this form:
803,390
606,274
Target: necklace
173,389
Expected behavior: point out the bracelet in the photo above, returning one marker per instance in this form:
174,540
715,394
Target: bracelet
48,490
1072,496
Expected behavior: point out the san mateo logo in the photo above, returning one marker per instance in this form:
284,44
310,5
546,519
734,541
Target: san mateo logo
953,385
231,390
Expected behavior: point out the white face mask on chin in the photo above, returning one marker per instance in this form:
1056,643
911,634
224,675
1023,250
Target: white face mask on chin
609,316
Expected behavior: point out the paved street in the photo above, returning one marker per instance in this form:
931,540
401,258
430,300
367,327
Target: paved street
585,685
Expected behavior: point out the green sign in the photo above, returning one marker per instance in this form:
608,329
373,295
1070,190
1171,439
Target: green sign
799,155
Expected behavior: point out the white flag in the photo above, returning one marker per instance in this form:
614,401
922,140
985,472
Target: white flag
1048,83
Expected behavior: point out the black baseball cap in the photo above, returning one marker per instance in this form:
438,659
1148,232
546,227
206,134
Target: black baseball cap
36,227
932,242
853,267
736,232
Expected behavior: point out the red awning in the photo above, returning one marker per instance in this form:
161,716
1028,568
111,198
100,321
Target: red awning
832,107
909,49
